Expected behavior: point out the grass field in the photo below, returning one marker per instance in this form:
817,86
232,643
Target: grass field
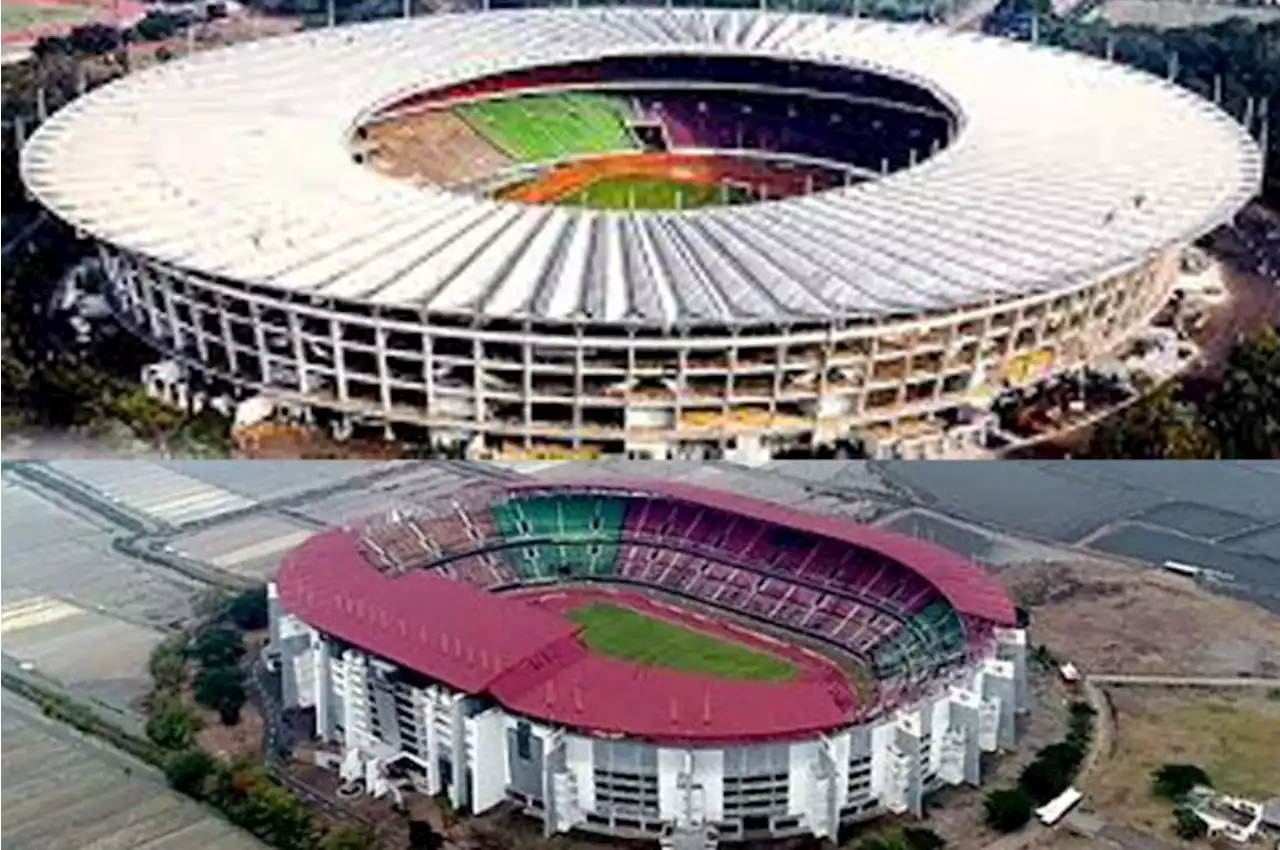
1231,734
651,193
18,17
538,128
622,633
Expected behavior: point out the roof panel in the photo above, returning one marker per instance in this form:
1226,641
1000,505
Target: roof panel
237,166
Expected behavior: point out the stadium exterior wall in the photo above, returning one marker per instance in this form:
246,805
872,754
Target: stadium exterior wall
480,755
753,389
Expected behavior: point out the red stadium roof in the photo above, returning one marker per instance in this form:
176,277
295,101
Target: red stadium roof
969,588
449,630
530,659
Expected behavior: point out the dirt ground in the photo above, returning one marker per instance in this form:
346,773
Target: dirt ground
956,813
243,739
1112,618
1234,736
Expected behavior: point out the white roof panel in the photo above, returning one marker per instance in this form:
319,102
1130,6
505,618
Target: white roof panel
236,164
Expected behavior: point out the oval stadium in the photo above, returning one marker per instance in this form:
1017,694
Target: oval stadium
646,660
653,232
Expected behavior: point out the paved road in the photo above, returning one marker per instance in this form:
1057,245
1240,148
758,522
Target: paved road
1184,681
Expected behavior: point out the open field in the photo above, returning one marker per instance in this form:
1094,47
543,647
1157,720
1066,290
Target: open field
623,633
548,127
67,792
1109,617
1232,735
1177,13
648,193
17,16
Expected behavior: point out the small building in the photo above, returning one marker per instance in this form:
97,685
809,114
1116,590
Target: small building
1231,817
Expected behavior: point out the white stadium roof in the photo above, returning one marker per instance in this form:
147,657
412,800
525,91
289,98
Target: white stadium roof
235,163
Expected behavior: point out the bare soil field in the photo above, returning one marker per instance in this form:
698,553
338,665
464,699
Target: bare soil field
243,739
1234,736
1109,617
433,147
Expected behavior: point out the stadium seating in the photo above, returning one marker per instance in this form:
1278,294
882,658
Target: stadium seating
561,535
934,632
852,598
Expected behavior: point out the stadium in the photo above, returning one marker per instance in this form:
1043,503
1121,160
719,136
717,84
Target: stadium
646,660
654,232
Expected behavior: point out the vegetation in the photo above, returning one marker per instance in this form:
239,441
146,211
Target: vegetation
624,633
1188,825
903,838
1238,418
54,380
1175,781
218,646
168,665
171,725
249,797
248,610
84,719
1008,809
221,689
348,836
1050,773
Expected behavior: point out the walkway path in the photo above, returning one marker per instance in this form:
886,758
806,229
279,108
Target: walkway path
1184,681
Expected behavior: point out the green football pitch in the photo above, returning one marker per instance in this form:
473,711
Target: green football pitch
652,193
623,633
536,128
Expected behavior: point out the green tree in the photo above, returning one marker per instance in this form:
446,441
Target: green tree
1174,781
1008,809
276,815
168,665
189,771
1243,415
248,610
1188,825
218,646
222,690
349,836
1051,772
919,838
172,726
1156,427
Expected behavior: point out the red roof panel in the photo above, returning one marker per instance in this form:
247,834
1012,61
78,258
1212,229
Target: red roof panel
615,696
449,630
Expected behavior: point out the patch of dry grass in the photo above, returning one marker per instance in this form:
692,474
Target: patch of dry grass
1234,736
1109,617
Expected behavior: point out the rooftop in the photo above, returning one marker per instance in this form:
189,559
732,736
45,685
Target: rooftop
1065,168
530,660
